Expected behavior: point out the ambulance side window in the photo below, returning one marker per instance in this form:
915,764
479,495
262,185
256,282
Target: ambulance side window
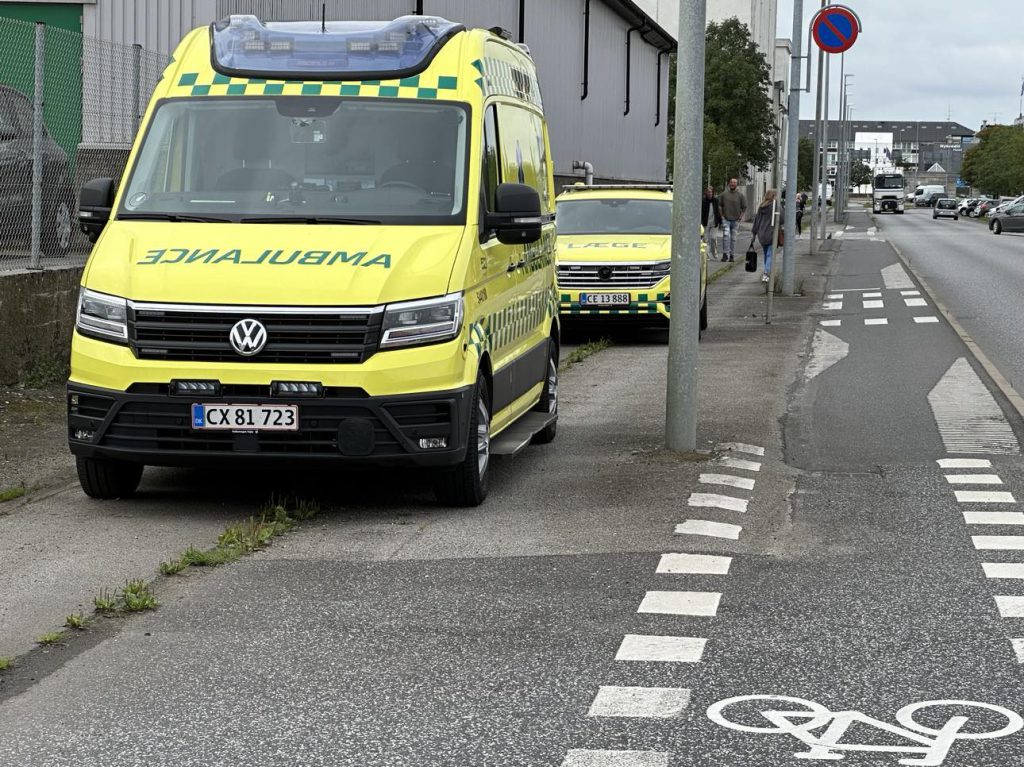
492,159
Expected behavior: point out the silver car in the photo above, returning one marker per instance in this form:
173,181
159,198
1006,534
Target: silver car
945,207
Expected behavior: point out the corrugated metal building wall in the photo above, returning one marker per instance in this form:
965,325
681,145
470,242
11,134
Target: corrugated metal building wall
621,146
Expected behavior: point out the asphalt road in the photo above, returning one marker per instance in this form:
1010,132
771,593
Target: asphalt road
844,595
977,275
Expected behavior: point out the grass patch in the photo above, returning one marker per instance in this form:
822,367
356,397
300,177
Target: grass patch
105,601
50,638
588,349
137,596
276,518
46,373
724,270
6,663
12,493
76,621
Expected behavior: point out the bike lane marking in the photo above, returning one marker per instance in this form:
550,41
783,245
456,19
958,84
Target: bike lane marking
709,529
693,564
973,479
964,463
640,702
582,757
716,501
1003,570
984,496
661,649
998,542
739,463
993,517
728,480
698,603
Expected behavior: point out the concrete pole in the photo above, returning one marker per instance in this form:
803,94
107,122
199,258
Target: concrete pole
681,399
816,172
793,148
823,219
35,256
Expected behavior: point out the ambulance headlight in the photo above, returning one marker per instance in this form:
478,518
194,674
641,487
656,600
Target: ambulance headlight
662,268
414,323
102,316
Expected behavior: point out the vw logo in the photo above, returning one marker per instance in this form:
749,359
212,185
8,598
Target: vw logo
605,273
248,337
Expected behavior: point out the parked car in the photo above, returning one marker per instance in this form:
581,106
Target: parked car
984,208
16,178
945,207
967,205
1010,219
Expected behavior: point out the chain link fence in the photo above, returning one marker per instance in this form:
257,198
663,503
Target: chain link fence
69,109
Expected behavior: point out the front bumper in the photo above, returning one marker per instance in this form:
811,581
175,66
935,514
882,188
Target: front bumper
889,204
149,425
641,304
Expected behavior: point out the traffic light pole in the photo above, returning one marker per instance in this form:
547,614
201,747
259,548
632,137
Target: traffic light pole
684,332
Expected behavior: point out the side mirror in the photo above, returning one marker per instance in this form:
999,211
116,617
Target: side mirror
518,219
95,202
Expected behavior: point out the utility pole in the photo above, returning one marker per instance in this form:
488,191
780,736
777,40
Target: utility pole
681,399
792,151
823,219
840,189
816,194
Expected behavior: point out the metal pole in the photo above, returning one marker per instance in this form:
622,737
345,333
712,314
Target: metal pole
816,194
681,399
776,223
37,151
136,87
792,150
839,189
823,219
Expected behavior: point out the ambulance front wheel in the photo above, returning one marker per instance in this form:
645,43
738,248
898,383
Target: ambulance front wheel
106,479
548,403
466,484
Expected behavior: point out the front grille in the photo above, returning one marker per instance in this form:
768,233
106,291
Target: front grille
628,276
202,334
166,427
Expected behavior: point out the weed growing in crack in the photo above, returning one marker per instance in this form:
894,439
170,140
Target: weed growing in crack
50,638
137,595
76,621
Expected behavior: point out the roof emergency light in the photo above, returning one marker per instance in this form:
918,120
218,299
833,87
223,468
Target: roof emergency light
243,46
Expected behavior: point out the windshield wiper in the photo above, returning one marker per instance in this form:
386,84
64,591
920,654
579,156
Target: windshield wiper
175,217
300,219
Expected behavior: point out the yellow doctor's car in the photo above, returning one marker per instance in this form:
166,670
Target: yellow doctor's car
330,245
615,254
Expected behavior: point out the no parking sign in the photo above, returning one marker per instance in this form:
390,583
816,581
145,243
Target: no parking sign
835,28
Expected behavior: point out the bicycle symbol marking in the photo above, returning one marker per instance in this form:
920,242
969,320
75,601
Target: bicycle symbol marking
822,731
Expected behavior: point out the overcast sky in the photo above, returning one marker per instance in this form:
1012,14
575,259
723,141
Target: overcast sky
926,59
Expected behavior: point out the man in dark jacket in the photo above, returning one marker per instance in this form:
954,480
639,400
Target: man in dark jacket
734,208
709,212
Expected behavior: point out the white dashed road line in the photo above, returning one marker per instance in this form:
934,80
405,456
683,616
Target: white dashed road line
874,304
973,479
1018,648
709,529
964,463
742,447
926,320
739,463
1011,570
998,542
699,603
832,306
716,501
876,321
645,702
831,323
588,758
984,496
994,517
915,302
910,292
1010,607
872,295
728,480
661,649
693,564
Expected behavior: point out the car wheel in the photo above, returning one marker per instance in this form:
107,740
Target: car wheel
466,484
997,228
57,228
106,479
703,315
956,218
548,402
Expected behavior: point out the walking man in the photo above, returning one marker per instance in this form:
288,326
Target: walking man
709,213
733,207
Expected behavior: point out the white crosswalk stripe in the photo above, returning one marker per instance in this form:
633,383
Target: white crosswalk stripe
582,757
661,649
640,702
710,529
694,564
699,603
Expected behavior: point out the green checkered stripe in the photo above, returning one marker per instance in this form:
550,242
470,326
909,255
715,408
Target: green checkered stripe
421,86
644,304
506,326
500,78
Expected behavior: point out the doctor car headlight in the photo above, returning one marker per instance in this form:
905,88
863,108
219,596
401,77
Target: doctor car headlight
102,316
414,323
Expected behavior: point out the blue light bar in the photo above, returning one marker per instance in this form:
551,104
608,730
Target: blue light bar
243,46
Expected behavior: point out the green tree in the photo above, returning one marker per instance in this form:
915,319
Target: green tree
860,174
739,127
996,164
805,163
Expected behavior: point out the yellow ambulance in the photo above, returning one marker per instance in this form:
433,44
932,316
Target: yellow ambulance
332,243
615,254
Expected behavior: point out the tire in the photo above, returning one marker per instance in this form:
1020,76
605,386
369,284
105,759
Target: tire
997,228
956,218
901,212
106,479
58,226
548,402
703,315
466,485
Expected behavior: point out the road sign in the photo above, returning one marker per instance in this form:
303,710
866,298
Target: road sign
835,28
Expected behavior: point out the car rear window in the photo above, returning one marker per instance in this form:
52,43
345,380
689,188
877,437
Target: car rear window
947,204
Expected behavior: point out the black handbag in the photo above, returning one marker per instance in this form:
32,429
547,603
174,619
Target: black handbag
751,265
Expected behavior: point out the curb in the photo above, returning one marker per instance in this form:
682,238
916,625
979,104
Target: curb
994,373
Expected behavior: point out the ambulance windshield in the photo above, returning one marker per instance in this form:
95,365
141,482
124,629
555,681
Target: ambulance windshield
615,216
303,158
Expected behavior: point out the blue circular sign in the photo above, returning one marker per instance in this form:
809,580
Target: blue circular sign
835,28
